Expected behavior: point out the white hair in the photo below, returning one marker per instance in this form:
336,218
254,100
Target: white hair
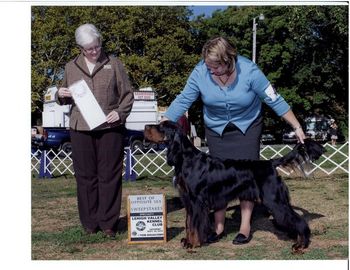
86,34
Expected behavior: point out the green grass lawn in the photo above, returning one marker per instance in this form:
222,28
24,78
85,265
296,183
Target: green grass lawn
57,234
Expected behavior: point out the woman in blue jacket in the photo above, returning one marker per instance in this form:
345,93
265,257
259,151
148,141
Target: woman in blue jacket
232,89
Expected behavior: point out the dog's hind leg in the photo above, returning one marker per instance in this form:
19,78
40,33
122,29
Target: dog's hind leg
275,197
292,222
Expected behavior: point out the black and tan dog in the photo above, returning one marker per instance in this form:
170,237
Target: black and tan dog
206,183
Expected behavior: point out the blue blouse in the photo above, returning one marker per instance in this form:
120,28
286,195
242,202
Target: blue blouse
238,103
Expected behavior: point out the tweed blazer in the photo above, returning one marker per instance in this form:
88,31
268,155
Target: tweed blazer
109,84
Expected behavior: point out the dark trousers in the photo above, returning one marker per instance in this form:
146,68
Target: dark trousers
98,163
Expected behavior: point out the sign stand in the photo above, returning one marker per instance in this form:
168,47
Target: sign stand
44,171
129,172
146,219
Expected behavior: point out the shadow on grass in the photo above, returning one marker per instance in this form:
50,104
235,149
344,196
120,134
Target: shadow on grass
173,232
260,221
174,204
52,177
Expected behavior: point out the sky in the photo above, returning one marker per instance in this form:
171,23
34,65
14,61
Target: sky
207,10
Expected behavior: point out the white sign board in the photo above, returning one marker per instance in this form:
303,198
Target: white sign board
142,95
146,218
87,104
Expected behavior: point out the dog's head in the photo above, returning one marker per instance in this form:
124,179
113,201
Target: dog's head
161,133
314,149
310,150
171,134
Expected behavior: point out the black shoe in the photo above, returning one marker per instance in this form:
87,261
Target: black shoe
241,239
214,237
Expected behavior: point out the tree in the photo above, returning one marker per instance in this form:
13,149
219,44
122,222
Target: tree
154,43
303,50
52,46
321,38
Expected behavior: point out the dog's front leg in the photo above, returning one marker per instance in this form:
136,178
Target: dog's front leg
185,241
192,237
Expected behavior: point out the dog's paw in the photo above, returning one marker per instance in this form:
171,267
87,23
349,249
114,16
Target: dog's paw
186,244
297,249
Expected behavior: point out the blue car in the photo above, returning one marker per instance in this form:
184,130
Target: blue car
59,139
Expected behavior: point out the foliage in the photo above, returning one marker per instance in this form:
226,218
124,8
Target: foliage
154,43
303,50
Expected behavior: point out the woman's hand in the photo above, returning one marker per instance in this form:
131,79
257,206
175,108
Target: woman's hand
164,119
290,118
112,117
64,92
299,133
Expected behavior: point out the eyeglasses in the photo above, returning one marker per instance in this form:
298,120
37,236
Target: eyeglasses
90,50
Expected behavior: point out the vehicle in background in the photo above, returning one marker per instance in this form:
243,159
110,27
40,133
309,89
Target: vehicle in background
51,138
289,136
316,128
58,139
54,133
136,140
269,136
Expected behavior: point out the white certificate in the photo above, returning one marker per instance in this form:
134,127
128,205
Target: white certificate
87,104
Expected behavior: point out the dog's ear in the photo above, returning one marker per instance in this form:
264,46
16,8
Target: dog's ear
174,154
313,149
168,128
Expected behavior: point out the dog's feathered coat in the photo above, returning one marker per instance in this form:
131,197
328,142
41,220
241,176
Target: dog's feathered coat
206,183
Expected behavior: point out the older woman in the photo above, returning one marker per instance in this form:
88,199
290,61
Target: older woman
98,154
231,88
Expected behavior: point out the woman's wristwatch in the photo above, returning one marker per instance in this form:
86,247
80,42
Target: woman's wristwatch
298,127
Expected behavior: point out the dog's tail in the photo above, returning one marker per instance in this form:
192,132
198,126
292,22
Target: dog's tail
300,155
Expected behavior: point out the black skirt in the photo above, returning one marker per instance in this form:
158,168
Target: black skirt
233,144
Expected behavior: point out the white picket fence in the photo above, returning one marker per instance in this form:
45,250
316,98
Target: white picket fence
45,164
